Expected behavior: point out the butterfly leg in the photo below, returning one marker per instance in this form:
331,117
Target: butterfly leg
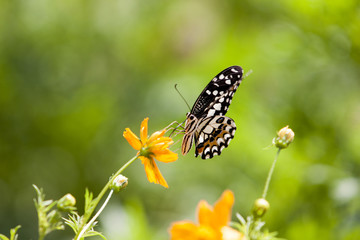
175,129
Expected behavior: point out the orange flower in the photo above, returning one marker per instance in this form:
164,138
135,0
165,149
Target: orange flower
213,222
154,147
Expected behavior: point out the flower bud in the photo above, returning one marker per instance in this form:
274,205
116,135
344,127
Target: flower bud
261,205
67,203
284,137
119,183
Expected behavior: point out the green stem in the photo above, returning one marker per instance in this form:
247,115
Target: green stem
41,236
88,225
104,190
96,201
270,174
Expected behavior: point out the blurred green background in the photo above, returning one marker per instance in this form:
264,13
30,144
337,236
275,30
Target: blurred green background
74,74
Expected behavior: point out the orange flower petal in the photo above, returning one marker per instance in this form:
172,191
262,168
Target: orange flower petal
132,139
162,142
210,222
183,230
208,233
205,213
143,159
222,208
156,135
144,131
152,171
165,155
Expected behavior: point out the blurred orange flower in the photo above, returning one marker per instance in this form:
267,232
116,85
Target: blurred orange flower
213,222
154,147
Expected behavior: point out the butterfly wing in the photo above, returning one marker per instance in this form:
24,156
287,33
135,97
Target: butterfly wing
206,124
217,95
213,135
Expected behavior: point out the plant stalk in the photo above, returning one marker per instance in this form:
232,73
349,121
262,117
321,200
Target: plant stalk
96,201
267,183
88,225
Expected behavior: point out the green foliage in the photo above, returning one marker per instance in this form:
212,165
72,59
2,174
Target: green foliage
13,234
49,218
253,229
75,222
89,203
81,224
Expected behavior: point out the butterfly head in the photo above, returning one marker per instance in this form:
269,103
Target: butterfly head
190,123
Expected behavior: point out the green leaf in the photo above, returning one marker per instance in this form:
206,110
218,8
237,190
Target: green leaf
3,237
49,217
253,229
74,222
88,200
13,234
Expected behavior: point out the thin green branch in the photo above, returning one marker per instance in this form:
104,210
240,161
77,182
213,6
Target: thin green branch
267,183
96,201
90,223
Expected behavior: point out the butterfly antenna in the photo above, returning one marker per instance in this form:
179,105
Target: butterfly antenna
182,97
248,73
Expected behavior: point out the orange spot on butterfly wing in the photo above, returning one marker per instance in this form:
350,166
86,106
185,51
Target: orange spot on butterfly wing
200,150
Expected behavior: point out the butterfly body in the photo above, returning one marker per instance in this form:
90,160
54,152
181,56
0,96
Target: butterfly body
205,124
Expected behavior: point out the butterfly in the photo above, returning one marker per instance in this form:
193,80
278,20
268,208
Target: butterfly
206,124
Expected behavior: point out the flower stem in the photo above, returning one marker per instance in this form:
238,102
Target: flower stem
270,174
95,216
96,201
103,191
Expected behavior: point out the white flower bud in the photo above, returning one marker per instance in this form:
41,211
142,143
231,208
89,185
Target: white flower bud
119,183
285,136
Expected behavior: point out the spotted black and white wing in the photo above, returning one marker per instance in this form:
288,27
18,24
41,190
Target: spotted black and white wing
217,95
205,124
213,135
